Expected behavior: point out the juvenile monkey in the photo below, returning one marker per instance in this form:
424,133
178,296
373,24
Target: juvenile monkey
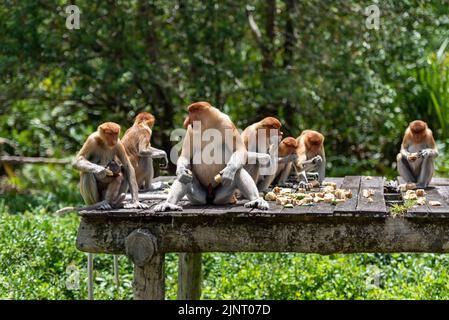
311,157
98,184
196,177
287,155
418,152
258,150
140,152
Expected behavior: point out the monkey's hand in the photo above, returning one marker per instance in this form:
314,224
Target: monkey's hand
317,160
425,153
136,205
313,175
303,185
227,175
259,203
184,175
412,156
164,162
104,173
167,206
263,158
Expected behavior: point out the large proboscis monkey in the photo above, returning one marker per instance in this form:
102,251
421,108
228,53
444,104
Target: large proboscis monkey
140,152
287,155
196,177
99,186
258,150
311,157
418,152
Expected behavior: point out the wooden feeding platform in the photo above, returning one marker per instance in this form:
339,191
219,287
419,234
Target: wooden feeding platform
355,225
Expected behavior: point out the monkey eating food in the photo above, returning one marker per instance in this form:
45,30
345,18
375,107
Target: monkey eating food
102,183
311,157
196,173
418,152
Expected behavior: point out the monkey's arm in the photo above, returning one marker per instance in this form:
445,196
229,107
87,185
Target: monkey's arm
322,169
289,158
256,157
236,161
82,164
432,150
404,147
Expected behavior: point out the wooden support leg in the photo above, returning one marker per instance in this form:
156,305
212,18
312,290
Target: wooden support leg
90,276
189,276
116,273
149,280
149,275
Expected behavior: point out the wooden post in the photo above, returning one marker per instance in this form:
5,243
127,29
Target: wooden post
189,276
149,275
116,272
90,276
149,280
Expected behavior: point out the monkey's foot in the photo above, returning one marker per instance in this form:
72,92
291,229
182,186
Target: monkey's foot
136,205
104,205
166,206
260,204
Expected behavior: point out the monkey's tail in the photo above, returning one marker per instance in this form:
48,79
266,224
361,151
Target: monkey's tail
67,210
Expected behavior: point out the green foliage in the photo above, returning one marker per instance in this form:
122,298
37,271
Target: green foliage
428,96
399,210
319,68
36,248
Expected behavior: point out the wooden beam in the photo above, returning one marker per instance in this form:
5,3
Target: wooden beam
189,276
325,235
33,160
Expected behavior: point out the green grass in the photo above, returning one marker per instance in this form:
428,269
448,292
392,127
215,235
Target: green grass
37,247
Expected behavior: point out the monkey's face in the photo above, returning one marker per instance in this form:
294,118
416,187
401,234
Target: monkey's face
313,141
194,115
111,138
288,146
418,127
109,133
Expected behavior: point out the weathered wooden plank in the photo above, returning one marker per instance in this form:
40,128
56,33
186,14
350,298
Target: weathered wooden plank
437,181
307,234
437,194
189,276
417,210
349,207
444,192
378,206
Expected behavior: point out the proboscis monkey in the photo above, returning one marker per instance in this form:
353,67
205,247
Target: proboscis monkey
140,152
267,129
311,157
287,155
98,184
197,176
418,152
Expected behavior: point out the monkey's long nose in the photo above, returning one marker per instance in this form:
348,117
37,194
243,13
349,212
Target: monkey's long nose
187,121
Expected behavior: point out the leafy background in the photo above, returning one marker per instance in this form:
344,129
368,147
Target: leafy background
315,65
